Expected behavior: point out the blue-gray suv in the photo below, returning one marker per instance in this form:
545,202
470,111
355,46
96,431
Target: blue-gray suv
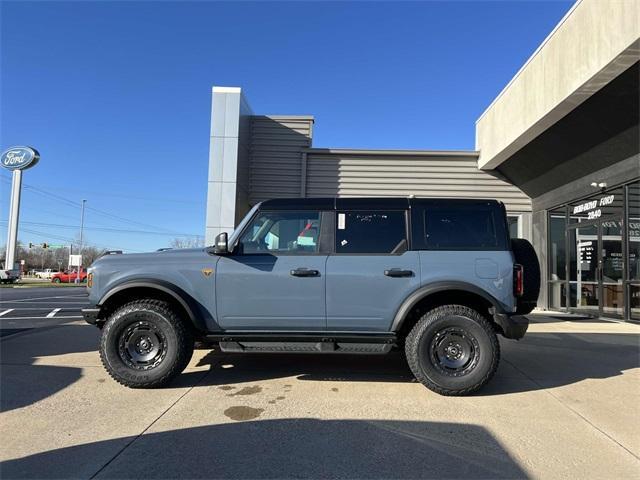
438,278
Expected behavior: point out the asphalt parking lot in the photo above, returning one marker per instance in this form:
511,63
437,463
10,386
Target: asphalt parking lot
25,308
565,403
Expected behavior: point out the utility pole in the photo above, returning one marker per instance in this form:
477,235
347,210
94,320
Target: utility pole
82,223
81,235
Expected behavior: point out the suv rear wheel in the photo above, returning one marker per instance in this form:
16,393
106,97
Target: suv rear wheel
453,350
145,344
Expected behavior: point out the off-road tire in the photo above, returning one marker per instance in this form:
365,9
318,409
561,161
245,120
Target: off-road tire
178,344
422,338
526,256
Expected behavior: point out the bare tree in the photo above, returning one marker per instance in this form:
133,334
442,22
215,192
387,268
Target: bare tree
187,242
90,254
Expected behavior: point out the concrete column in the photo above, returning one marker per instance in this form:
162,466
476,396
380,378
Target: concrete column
227,152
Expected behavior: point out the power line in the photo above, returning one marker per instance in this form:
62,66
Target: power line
99,212
124,195
106,229
71,240
132,222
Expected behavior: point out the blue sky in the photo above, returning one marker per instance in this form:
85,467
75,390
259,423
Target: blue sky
116,96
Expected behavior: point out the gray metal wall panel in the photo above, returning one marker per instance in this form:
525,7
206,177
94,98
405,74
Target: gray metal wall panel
276,152
422,175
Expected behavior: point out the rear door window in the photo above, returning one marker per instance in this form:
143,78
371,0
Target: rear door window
378,232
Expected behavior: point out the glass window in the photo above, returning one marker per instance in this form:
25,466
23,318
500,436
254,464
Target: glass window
557,244
634,301
557,258
371,232
459,228
513,227
282,232
634,232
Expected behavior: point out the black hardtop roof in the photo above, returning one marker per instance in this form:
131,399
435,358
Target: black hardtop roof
368,203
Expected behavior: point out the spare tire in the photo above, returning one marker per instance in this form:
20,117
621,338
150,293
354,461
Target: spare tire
526,256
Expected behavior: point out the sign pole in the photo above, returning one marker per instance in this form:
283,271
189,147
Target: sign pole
16,159
14,212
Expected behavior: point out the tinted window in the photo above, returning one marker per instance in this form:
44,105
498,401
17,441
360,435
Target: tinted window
282,232
371,232
468,227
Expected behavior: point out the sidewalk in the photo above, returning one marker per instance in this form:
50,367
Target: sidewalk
563,404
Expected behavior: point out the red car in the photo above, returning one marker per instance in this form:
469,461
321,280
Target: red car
69,277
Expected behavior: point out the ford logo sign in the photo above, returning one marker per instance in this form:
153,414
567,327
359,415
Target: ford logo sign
19,158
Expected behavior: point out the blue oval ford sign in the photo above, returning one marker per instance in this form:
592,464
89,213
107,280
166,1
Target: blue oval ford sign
19,158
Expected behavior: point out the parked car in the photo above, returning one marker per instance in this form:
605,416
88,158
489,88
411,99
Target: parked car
438,278
69,277
9,276
46,273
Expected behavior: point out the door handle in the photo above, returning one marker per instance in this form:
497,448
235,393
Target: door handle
304,272
396,272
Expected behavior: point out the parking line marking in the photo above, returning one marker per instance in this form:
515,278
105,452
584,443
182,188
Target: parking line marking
40,318
42,298
48,309
6,311
53,312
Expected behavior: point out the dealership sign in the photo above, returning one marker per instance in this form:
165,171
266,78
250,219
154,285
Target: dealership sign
593,208
19,158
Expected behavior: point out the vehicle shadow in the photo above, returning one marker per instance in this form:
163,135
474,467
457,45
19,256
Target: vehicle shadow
22,381
540,360
284,448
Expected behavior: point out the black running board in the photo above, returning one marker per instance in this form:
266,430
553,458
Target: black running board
305,347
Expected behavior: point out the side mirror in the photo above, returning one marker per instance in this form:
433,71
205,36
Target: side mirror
221,246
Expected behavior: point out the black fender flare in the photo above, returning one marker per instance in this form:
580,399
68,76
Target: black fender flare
194,310
436,287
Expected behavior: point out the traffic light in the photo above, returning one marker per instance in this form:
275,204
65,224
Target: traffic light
45,245
30,245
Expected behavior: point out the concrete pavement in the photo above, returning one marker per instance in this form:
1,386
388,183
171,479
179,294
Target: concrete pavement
565,403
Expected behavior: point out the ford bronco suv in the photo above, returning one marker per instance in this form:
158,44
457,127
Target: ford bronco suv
438,278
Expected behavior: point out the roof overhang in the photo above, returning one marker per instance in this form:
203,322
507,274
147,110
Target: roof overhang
392,153
593,44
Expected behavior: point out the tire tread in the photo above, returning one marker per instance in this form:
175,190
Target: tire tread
413,339
183,334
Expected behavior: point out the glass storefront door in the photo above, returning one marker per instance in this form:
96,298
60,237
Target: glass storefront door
596,268
583,269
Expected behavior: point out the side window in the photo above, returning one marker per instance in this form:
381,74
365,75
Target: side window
371,232
513,226
282,232
458,228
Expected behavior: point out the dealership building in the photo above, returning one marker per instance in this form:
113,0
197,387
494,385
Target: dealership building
559,146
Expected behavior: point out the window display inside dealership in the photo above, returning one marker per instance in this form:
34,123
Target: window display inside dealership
593,254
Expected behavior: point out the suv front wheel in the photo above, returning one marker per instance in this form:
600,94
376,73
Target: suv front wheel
145,344
453,350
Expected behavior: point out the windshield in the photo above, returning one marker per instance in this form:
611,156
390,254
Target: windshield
233,238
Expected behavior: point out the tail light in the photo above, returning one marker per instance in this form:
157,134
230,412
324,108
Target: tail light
518,280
